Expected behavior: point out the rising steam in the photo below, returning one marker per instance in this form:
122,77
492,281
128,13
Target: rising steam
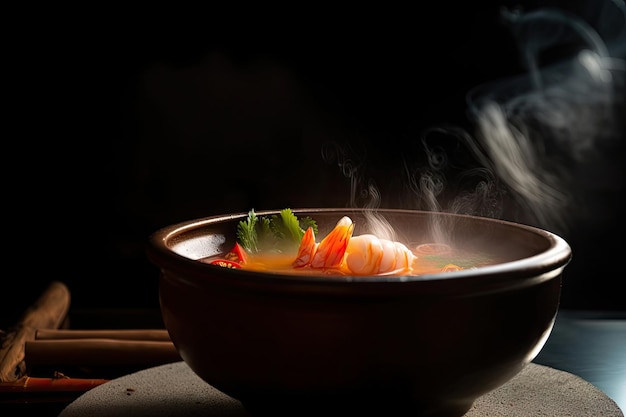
529,129
557,112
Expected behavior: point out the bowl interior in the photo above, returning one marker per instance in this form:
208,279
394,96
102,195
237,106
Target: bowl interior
510,246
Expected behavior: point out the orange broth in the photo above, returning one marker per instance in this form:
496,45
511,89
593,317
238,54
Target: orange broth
430,259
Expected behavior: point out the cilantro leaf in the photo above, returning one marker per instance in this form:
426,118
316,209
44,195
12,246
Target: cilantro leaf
246,232
282,232
307,222
289,226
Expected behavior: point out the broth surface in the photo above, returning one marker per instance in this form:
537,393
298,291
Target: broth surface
431,258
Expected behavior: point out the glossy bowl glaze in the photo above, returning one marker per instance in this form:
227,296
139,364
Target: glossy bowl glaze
329,345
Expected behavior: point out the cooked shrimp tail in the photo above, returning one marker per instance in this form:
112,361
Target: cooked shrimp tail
331,249
306,250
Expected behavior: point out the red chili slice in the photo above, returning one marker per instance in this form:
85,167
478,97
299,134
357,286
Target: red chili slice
226,263
237,254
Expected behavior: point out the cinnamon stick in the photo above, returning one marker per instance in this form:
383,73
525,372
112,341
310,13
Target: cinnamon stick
97,352
48,312
121,334
38,384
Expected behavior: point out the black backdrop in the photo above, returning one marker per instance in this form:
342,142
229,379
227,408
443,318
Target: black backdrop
126,122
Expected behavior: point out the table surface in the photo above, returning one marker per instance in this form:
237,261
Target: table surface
591,345
588,344
174,390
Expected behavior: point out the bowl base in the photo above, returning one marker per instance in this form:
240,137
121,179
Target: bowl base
311,407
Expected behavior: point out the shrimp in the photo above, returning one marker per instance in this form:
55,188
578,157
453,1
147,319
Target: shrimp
331,250
327,254
370,255
360,255
306,250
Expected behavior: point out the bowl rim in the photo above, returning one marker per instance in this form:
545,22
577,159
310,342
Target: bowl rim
544,265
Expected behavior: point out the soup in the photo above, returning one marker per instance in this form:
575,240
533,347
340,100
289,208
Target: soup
291,249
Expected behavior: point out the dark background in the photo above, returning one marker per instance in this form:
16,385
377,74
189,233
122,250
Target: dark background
126,122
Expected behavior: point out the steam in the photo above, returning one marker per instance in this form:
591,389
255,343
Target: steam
351,166
529,130
368,197
558,112
516,164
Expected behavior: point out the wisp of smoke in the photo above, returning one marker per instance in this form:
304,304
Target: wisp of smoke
352,168
529,129
559,111
515,164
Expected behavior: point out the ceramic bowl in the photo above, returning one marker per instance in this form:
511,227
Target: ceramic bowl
428,344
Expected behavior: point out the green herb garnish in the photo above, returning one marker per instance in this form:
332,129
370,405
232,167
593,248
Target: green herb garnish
279,233
246,232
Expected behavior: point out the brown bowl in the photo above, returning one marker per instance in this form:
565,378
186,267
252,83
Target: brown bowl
322,345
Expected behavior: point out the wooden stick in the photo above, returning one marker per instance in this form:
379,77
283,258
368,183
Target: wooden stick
37,384
48,312
123,334
90,352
